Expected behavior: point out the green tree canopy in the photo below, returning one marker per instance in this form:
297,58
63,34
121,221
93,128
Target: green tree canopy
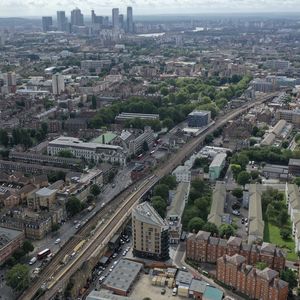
160,205
212,228
289,276
95,189
18,277
162,190
170,181
226,230
238,193
236,170
243,178
195,224
27,246
73,206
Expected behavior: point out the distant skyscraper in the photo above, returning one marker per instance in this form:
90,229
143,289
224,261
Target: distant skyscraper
47,23
58,84
130,28
96,19
115,18
121,21
77,17
61,21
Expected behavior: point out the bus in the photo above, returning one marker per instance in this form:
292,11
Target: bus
43,254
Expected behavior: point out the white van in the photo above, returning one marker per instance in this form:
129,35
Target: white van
174,292
33,260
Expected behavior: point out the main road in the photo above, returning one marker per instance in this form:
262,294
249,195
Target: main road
121,206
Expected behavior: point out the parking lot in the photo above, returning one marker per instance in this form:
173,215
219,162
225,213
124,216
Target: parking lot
100,272
143,288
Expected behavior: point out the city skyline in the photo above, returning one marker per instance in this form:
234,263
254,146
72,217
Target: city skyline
146,7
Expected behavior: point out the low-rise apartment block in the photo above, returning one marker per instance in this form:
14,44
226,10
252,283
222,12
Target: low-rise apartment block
202,247
256,284
10,240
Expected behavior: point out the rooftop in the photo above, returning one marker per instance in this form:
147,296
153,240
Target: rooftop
45,192
218,160
7,235
144,212
212,293
123,275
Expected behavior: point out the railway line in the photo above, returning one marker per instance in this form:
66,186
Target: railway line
127,199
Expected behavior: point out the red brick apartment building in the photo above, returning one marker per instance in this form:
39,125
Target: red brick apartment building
202,247
256,284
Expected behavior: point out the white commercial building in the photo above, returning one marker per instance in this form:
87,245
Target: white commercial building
89,151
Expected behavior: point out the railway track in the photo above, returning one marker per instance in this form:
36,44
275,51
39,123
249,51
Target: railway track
129,202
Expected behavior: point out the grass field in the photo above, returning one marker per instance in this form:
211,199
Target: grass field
272,235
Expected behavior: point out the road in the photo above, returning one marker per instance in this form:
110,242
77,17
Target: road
129,201
68,229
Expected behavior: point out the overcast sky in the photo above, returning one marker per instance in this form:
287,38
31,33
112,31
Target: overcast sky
145,7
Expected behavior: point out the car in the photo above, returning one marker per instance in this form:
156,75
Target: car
174,291
236,212
111,269
115,255
124,253
163,291
33,260
102,205
101,278
122,242
57,241
243,221
246,220
127,249
113,185
115,262
99,272
77,225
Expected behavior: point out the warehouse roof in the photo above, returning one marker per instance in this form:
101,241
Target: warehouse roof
123,275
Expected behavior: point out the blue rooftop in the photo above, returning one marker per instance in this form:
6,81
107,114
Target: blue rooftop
212,293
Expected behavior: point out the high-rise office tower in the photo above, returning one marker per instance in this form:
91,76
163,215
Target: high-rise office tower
130,28
10,81
96,19
150,233
121,21
61,21
47,23
77,17
115,18
58,84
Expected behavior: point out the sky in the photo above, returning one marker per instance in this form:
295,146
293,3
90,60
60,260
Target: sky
17,8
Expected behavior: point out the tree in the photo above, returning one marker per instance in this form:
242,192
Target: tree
289,276
212,228
95,190
236,170
18,277
170,181
243,178
226,230
160,205
168,123
240,159
195,224
27,246
4,139
254,174
55,227
190,212
297,181
285,233
162,190
261,265
145,146
209,139
73,206
238,193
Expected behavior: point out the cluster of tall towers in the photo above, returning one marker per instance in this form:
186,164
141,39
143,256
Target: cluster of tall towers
77,19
